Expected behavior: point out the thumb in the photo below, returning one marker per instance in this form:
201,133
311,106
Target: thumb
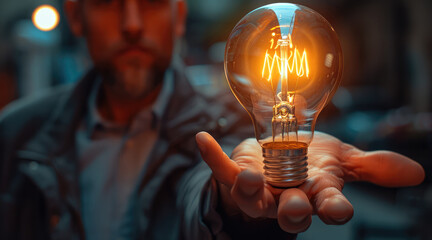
224,169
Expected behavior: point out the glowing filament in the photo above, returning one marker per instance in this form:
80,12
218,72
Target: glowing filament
290,61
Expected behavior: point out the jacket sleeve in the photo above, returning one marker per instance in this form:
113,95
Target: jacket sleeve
202,219
19,123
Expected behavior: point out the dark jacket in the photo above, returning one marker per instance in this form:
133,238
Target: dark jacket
39,195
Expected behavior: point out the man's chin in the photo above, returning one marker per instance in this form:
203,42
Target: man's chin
135,82
131,82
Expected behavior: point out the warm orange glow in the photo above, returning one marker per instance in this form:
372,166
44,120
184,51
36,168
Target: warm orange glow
45,17
288,60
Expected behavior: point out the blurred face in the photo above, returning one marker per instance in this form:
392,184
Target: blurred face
130,41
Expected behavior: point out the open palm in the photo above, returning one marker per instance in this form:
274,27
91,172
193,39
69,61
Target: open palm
331,163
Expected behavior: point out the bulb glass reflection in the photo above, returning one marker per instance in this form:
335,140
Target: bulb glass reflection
283,62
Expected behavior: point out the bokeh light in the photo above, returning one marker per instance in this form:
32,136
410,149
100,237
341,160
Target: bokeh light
45,17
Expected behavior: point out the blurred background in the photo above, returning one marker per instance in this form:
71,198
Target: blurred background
384,101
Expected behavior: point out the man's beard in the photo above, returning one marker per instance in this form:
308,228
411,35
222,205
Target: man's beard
134,81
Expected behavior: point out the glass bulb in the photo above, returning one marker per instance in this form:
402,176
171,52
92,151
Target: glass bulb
283,62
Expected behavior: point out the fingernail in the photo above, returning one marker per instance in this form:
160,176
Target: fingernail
296,219
340,219
201,138
338,210
299,208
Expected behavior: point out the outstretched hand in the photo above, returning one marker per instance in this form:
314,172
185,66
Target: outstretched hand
331,163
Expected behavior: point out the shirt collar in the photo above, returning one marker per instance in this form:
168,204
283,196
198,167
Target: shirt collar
94,121
162,100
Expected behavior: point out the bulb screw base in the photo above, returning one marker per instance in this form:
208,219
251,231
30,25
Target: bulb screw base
285,167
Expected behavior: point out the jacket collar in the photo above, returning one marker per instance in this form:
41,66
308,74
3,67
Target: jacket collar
186,113
184,110
57,135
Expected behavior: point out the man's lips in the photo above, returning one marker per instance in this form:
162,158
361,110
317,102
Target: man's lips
134,50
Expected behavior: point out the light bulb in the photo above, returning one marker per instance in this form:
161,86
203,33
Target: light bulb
283,62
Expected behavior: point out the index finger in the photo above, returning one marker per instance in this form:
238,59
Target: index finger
224,169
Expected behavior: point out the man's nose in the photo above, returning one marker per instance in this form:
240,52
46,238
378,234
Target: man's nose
132,21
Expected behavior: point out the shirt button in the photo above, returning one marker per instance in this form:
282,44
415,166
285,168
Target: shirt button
222,122
33,166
